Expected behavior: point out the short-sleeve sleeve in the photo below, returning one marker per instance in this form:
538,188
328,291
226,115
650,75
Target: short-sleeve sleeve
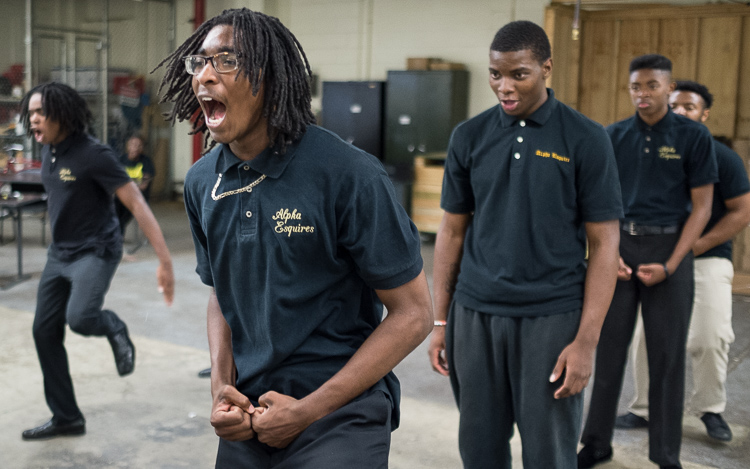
107,170
597,180
457,195
193,209
379,236
701,166
733,180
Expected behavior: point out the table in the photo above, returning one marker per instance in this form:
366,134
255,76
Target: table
16,206
29,180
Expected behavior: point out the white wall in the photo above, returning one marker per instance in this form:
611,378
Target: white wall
363,39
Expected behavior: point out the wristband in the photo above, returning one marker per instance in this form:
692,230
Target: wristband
666,271
440,323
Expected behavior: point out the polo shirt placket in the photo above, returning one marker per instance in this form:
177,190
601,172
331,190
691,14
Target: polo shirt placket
248,204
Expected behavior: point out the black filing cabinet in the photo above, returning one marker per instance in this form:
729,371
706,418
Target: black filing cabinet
354,111
422,108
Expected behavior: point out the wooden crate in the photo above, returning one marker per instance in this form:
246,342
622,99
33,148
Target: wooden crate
425,201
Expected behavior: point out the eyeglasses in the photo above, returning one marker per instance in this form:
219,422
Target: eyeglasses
223,62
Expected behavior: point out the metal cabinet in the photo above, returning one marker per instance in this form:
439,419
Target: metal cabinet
354,111
422,108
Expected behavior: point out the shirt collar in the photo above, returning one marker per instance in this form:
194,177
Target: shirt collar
539,117
663,126
62,147
268,162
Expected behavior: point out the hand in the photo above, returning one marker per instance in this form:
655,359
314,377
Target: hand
651,274
436,351
577,361
231,415
165,280
624,271
282,420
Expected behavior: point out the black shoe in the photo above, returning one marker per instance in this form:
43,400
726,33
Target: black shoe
630,421
52,429
124,351
205,373
590,456
672,466
716,427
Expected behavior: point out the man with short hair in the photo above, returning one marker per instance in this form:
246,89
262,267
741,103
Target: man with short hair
666,165
81,176
526,184
303,241
710,333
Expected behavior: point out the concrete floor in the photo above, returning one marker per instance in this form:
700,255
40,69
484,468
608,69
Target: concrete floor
158,416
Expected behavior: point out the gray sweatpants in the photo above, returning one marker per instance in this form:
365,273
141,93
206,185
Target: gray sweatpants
499,370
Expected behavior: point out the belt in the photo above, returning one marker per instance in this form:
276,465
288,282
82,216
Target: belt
634,229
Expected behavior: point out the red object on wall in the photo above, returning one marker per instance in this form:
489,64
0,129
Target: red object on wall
199,9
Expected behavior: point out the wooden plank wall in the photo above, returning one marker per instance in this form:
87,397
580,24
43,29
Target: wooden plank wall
706,43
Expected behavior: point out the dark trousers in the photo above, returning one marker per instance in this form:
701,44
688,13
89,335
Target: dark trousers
70,292
666,309
356,435
500,369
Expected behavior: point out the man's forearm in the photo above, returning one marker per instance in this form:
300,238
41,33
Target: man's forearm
219,345
408,322
734,220
601,278
692,230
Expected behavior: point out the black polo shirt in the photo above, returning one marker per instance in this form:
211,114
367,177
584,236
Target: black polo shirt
733,182
80,176
531,184
295,262
658,166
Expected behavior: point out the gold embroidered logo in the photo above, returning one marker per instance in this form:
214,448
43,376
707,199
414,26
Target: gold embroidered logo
668,153
66,175
285,222
553,155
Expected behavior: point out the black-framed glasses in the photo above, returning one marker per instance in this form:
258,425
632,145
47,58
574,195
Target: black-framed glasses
223,62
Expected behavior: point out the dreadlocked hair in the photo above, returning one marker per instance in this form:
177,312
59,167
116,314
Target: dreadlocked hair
62,104
268,55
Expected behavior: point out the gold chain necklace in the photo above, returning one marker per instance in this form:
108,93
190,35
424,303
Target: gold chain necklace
247,188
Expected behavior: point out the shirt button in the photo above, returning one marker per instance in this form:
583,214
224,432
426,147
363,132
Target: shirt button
522,123
517,156
519,139
648,139
248,214
53,159
646,150
246,167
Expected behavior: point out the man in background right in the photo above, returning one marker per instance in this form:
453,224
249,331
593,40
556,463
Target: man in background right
667,169
710,332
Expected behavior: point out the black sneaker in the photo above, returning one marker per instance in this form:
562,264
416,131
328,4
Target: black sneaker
630,421
590,456
717,427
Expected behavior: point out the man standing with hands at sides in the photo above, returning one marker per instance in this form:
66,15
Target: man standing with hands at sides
666,164
710,332
303,241
526,184
80,175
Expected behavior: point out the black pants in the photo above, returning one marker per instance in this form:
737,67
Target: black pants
358,435
73,293
666,309
500,369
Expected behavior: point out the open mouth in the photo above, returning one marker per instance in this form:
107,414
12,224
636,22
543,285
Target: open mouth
37,134
214,110
509,105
